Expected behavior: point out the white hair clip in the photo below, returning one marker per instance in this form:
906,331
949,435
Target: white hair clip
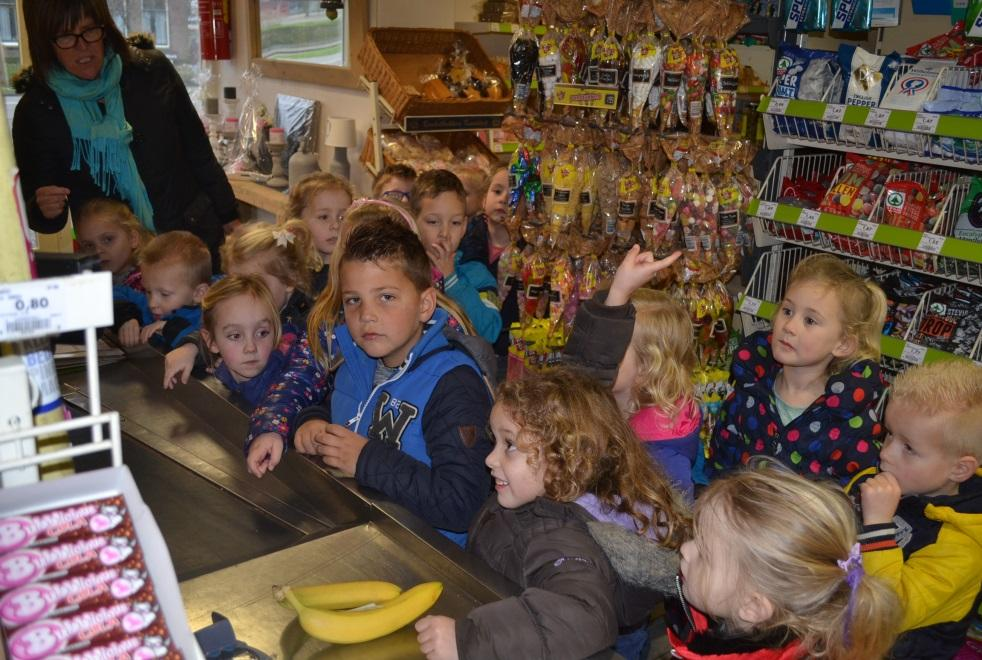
283,237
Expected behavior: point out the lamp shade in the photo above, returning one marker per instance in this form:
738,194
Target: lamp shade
340,132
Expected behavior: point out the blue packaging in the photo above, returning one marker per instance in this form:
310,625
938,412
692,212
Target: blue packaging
806,15
852,15
806,74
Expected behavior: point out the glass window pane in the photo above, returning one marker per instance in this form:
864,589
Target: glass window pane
300,31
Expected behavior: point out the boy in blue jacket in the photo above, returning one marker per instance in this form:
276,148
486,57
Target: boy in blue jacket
410,407
176,270
438,202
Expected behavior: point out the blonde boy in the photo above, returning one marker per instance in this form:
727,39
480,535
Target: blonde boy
922,514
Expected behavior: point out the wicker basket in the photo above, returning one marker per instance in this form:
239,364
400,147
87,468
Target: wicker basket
396,58
452,141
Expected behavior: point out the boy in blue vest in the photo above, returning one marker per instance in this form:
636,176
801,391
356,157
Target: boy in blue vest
410,407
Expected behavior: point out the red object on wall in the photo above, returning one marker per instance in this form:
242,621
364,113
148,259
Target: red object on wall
216,26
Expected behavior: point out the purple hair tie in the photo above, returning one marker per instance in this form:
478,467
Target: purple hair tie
852,566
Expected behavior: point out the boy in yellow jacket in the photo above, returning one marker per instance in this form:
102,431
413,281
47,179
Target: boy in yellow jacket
922,514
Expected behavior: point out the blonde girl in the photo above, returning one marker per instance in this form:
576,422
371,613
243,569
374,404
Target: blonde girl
806,392
774,570
108,228
241,325
563,457
320,201
283,256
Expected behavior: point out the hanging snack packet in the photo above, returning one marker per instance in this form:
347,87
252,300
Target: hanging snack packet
724,71
806,15
549,67
523,56
696,74
573,56
628,205
969,224
869,76
852,15
673,69
646,59
588,189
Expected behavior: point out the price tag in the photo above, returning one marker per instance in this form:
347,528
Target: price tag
777,106
809,218
926,122
931,243
913,353
750,305
877,117
49,306
865,230
834,112
766,210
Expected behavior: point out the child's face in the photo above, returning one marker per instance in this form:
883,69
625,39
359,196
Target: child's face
472,196
323,216
397,190
515,481
808,329
627,375
441,221
709,574
279,291
496,201
914,451
383,309
169,288
113,243
243,336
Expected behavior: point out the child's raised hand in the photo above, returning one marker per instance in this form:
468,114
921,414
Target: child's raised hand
265,453
178,365
635,271
149,331
305,438
437,637
340,447
129,333
880,496
442,257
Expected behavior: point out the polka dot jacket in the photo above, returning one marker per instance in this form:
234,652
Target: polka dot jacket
837,436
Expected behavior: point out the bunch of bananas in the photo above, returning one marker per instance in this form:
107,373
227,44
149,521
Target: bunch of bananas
325,610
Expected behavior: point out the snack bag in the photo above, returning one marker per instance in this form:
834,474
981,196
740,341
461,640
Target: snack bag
973,20
628,206
549,67
905,204
806,15
852,15
646,59
910,92
573,57
588,191
673,69
969,223
523,56
696,73
724,68
868,78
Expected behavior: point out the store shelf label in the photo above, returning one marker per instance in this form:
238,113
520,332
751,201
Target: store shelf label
926,122
766,210
834,112
586,96
931,243
777,106
54,305
750,305
913,353
865,230
877,117
809,218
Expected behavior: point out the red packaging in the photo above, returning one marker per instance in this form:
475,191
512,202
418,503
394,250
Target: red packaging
905,205
76,557
96,517
132,647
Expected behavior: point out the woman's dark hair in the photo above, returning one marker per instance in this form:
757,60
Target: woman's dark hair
46,20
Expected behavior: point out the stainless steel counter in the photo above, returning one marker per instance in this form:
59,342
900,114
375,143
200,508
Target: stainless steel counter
233,536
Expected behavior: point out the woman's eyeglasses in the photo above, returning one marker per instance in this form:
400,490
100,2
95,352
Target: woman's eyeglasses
88,35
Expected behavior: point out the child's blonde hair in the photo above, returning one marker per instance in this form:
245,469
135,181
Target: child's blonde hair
181,247
862,304
121,216
952,388
786,536
232,287
287,250
665,348
302,194
572,424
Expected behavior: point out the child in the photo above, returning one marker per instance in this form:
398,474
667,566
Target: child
108,228
410,405
320,200
922,515
241,324
563,457
284,257
176,269
806,392
395,184
475,183
774,571
438,204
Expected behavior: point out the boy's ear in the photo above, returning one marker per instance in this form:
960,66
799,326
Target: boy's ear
963,469
199,293
848,344
427,304
756,609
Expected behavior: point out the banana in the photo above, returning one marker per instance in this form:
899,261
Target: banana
340,595
351,627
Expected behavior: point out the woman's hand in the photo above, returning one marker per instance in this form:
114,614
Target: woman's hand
51,200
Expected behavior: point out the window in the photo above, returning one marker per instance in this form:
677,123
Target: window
155,21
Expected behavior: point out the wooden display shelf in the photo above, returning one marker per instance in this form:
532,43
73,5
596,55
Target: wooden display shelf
259,195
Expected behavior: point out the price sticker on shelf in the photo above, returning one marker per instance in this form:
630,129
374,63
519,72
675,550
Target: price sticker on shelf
913,353
834,112
750,305
877,117
777,106
766,210
926,122
931,243
59,304
865,230
809,218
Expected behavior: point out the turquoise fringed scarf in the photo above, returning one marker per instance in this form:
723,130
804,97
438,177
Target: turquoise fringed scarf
102,139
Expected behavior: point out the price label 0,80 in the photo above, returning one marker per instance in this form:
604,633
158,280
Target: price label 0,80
58,304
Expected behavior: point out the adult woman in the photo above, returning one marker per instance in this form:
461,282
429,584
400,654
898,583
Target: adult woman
102,118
